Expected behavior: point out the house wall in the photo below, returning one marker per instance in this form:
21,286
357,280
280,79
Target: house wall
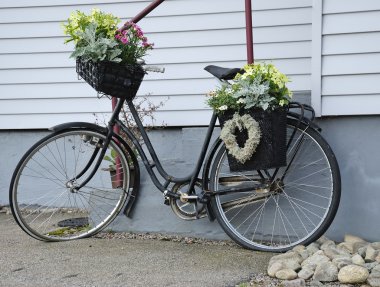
39,86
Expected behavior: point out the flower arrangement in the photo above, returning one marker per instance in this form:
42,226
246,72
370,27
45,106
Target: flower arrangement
252,102
97,38
260,86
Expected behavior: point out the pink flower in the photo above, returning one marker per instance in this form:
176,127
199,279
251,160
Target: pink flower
124,40
117,37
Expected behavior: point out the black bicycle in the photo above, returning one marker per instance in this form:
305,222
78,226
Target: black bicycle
75,181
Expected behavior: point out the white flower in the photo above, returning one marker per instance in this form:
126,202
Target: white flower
241,101
223,108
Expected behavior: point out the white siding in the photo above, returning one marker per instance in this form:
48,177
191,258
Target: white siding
39,86
351,57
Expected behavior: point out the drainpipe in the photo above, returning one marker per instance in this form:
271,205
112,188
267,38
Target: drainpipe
248,30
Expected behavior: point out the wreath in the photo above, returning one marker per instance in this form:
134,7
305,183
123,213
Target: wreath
242,154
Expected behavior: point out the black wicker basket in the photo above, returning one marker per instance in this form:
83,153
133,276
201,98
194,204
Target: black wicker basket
114,79
271,151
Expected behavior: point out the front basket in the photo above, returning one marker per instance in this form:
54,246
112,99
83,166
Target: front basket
271,151
114,79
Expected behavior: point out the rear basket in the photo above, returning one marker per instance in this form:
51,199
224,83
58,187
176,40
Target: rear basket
114,79
271,151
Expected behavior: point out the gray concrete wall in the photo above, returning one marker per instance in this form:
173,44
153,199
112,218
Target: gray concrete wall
355,141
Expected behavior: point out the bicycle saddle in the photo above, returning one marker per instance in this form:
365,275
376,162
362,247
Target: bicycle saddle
223,73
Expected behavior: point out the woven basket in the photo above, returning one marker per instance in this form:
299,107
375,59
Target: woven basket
116,80
271,151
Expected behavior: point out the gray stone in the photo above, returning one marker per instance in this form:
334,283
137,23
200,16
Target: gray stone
376,270
304,254
306,273
274,267
357,259
378,258
373,281
316,259
353,274
353,238
334,252
312,248
362,250
370,254
286,274
358,245
322,240
316,283
348,246
327,244
299,248
375,245
294,283
326,272
286,256
371,265
341,262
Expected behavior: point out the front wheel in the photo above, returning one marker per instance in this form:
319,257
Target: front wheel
297,207
44,197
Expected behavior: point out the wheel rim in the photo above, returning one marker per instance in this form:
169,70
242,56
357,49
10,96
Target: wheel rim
44,201
289,212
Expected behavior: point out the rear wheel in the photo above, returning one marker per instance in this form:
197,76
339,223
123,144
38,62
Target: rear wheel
43,195
296,207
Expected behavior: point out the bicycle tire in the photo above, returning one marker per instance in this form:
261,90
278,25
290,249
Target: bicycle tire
43,202
297,211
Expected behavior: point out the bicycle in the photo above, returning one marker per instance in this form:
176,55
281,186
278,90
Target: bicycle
269,210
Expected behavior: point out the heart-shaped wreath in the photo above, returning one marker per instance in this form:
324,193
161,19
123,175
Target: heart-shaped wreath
242,154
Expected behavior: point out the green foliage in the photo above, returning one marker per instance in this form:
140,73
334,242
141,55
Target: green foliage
96,48
261,86
79,21
97,38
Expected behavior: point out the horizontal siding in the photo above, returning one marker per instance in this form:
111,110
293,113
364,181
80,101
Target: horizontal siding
36,72
351,57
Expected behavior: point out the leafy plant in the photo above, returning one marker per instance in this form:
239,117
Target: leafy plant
97,38
260,86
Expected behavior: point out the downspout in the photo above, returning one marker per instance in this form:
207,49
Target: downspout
248,30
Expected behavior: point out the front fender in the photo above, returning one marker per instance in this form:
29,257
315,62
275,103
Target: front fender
135,172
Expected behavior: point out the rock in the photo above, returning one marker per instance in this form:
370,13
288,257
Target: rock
376,245
347,246
294,283
373,281
287,256
362,250
370,266
316,259
299,248
333,252
370,254
316,283
276,266
326,272
353,274
286,274
357,259
327,244
341,262
376,270
322,240
306,273
312,248
352,238
304,254
377,258
358,245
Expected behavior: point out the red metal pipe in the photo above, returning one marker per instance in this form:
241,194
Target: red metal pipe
248,29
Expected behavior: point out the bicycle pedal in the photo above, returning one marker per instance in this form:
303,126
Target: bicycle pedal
167,200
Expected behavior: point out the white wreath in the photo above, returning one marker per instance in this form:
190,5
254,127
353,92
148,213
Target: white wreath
242,154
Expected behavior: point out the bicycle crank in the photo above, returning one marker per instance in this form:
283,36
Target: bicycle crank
187,207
